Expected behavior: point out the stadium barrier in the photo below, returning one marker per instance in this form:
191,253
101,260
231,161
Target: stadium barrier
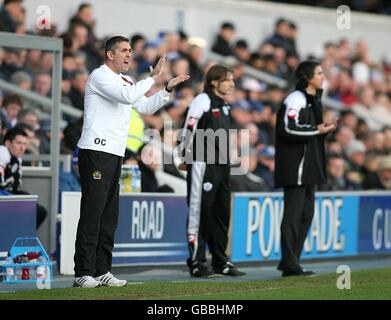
344,224
152,227
18,216
151,230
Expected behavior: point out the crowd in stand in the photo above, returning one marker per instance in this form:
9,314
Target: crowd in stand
359,153
372,6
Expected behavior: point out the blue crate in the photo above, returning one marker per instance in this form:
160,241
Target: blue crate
22,245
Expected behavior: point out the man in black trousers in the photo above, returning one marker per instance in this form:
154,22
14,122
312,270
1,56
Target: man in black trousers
208,175
109,98
300,161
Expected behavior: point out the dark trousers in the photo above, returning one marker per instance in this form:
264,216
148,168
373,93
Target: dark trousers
299,202
99,177
209,200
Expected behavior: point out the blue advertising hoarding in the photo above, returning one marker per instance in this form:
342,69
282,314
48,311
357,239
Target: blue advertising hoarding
375,225
151,229
343,225
17,219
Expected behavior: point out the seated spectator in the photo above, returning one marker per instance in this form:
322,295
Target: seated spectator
222,44
30,117
10,15
72,133
76,94
285,33
45,135
194,56
242,51
266,165
12,105
382,178
22,79
336,178
33,143
355,154
149,160
11,154
248,182
70,181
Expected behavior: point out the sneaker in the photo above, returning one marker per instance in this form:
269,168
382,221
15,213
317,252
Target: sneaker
229,270
199,270
86,282
109,280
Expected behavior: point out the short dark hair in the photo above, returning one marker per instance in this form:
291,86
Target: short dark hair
111,44
13,98
241,44
217,72
135,38
10,1
83,6
23,113
24,127
13,133
227,25
305,72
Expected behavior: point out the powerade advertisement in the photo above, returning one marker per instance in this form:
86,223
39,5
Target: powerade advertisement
375,225
151,230
344,224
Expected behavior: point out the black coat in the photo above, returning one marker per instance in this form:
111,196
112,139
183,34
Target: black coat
300,150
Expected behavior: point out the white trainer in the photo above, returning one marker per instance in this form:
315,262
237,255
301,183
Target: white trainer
109,280
86,282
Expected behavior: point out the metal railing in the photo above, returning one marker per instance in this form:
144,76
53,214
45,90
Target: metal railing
41,100
55,45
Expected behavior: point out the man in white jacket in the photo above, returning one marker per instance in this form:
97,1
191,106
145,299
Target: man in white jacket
109,98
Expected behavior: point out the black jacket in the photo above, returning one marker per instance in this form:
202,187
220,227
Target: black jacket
300,151
206,129
10,180
222,47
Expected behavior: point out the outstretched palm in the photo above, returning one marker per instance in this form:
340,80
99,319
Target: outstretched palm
175,81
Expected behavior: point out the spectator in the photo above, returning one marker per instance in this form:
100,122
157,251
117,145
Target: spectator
222,44
11,107
336,178
10,63
10,15
194,56
266,165
70,181
22,79
76,94
149,161
248,182
381,180
33,143
43,84
84,16
11,154
241,51
355,154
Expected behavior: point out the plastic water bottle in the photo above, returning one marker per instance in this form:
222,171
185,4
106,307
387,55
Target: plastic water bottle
126,179
18,273
136,182
10,271
138,179
41,269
